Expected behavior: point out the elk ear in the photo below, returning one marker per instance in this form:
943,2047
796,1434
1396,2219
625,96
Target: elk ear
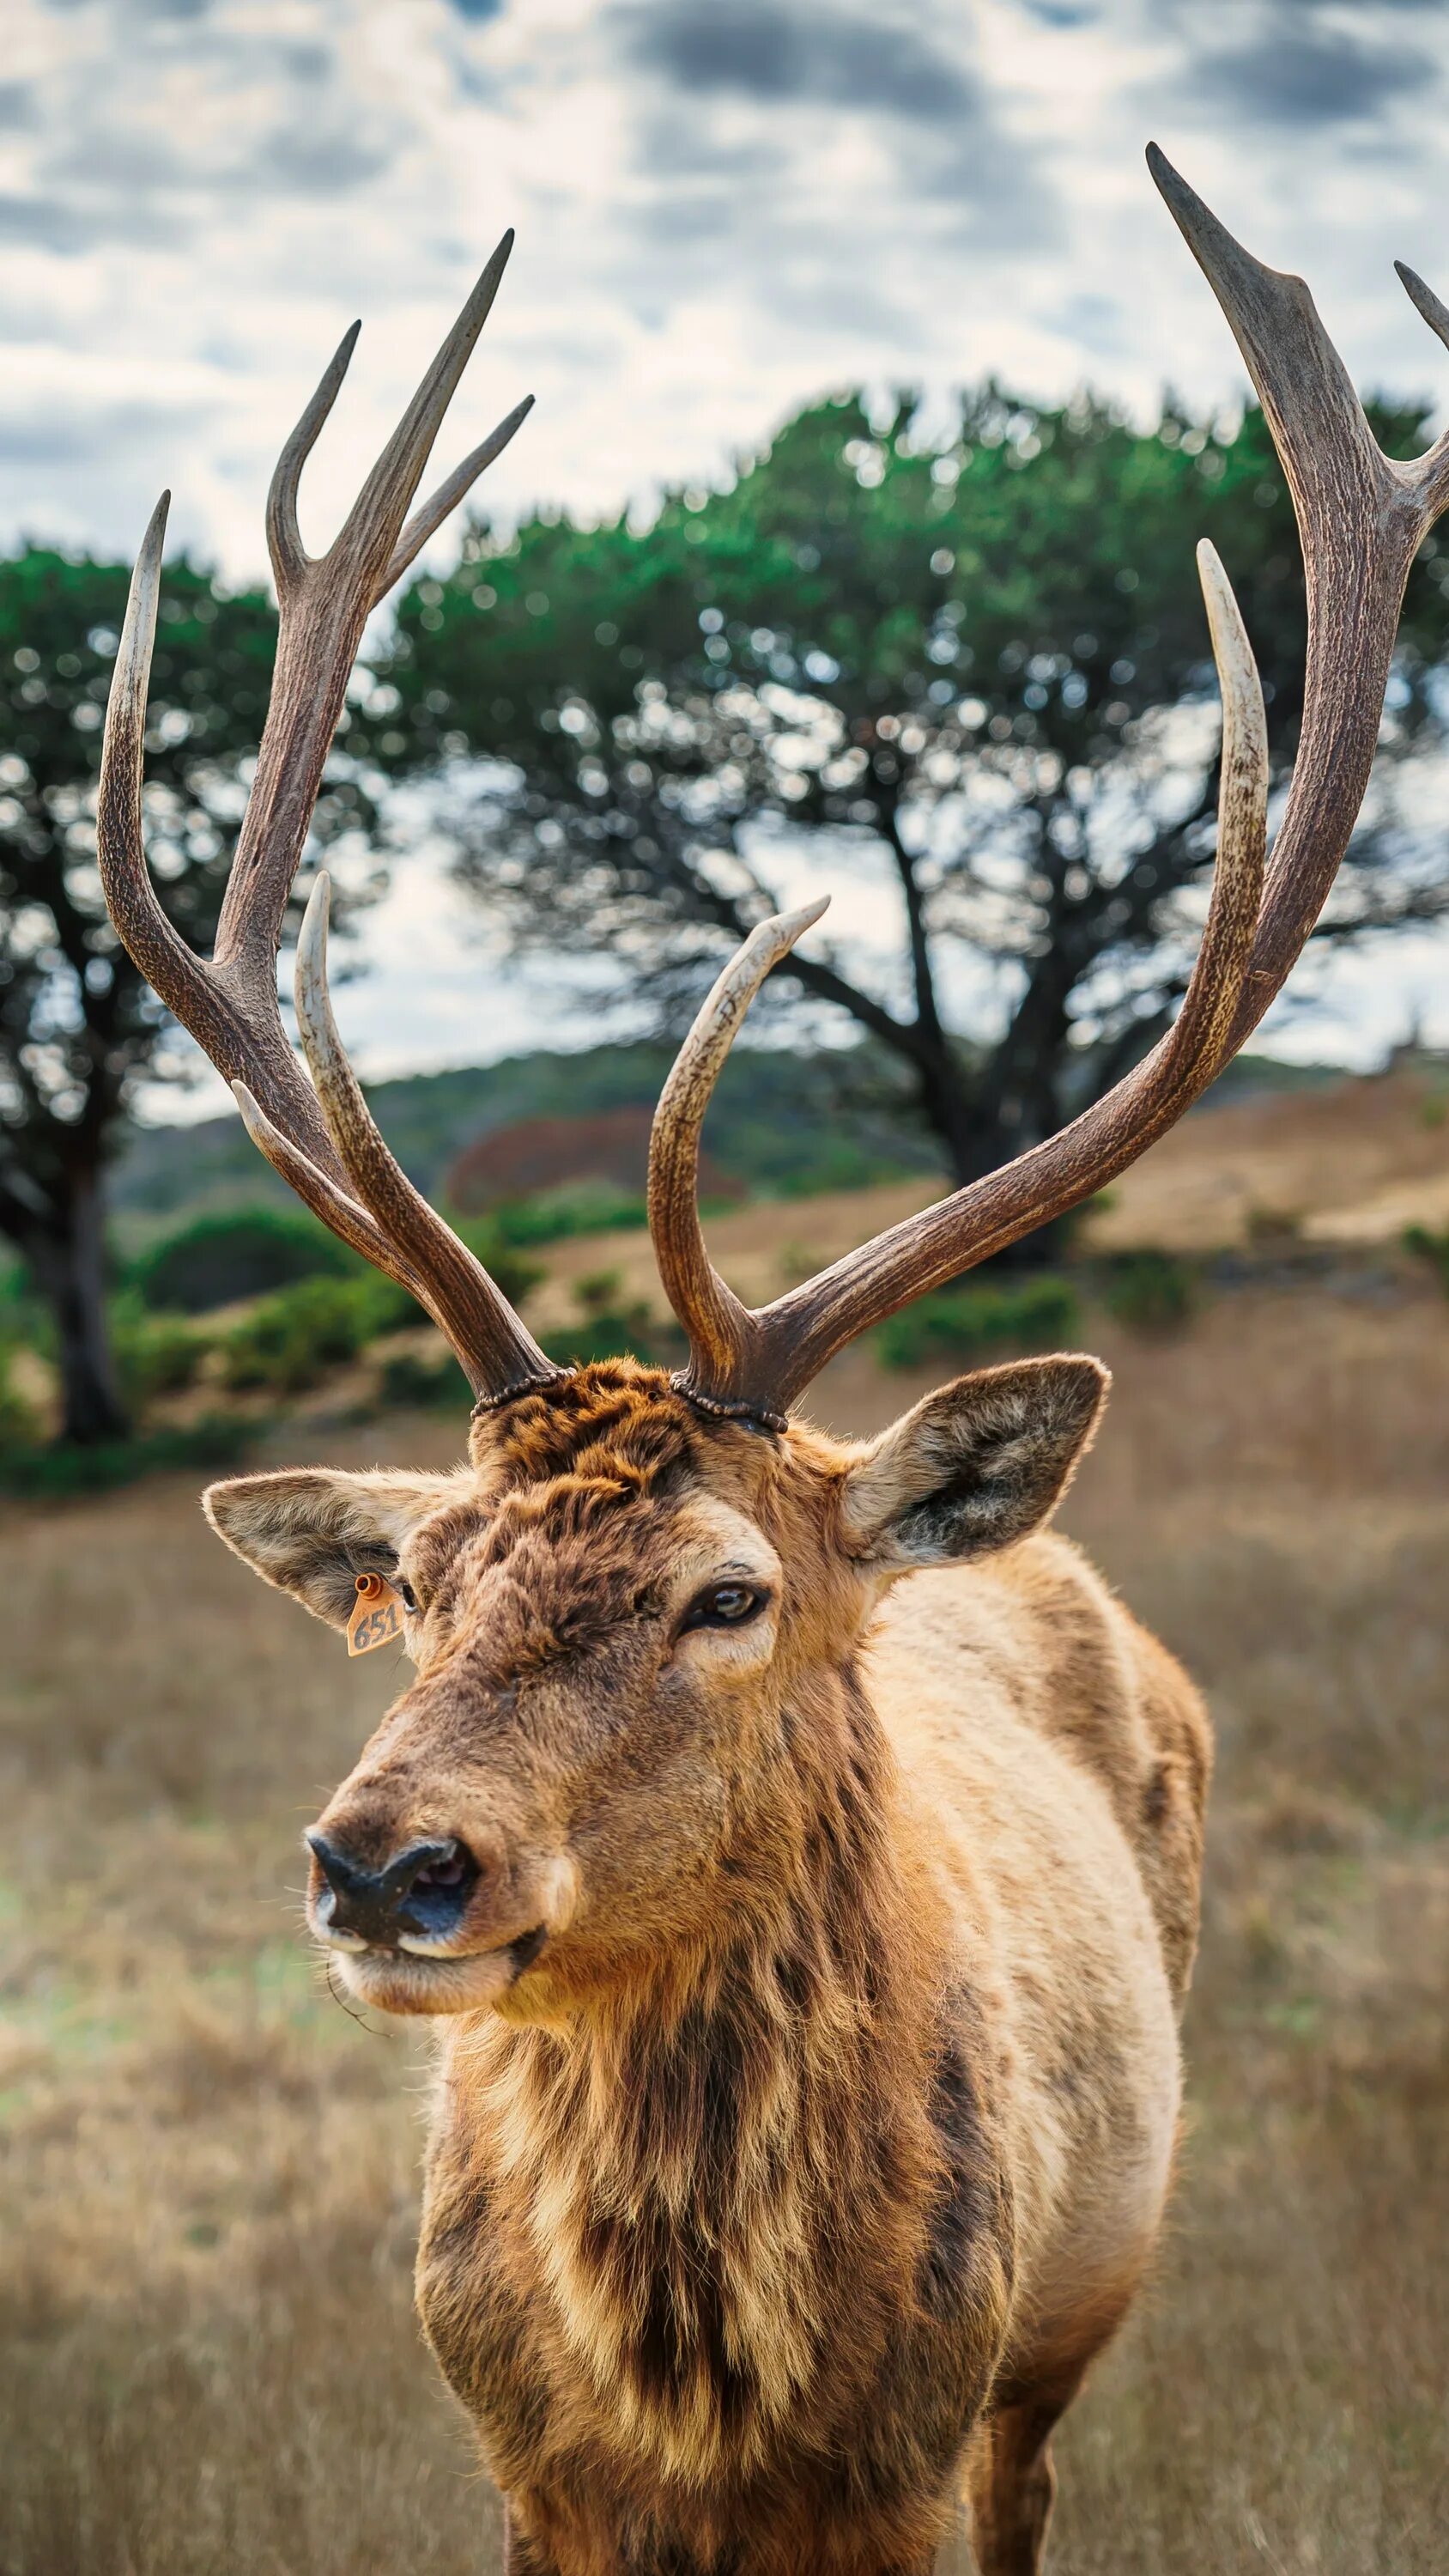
312,1530
978,1464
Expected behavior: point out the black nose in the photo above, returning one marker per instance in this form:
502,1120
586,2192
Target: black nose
424,1889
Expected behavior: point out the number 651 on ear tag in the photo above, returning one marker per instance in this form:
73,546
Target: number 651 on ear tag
377,1616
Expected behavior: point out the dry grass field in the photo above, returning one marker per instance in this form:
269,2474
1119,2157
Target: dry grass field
208,2169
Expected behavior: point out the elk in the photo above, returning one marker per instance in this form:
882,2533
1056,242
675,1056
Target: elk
795,1842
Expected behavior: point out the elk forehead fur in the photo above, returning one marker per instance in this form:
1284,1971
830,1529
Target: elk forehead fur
599,1497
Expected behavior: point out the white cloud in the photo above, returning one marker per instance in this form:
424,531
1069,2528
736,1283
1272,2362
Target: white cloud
719,212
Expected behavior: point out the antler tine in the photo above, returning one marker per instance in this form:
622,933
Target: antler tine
1424,300
325,603
719,1327
778,1350
1361,519
1200,1041
496,1349
238,1042
324,1196
284,538
354,1225
375,519
439,505
159,950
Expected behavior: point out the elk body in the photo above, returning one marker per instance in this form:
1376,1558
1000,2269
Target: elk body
797,1845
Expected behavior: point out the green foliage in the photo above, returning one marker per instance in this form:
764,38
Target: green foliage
383,1306
154,1355
19,1427
292,1339
610,1326
220,1260
54,1471
976,646
1150,1291
1430,1247
577,1207
878,569
965,1325
226,1257
507,1264
427,1384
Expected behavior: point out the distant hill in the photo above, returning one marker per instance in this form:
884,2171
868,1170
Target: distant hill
608,1147
781,1125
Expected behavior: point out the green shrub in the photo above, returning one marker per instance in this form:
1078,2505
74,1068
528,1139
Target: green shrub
1150,1292
19,1423
409,1380
51,1472
258,1252
155,1356
608,1327
291,1340
382,1306
1430,1247
501,1255
219,1260
575,1207
967,1324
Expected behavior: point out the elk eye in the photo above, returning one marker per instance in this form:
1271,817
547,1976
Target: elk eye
725,1605
409,1597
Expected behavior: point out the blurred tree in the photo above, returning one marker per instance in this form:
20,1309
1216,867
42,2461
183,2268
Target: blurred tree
979,667
77,1023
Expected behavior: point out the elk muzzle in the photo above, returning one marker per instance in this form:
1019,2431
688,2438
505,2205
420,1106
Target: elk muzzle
420,1920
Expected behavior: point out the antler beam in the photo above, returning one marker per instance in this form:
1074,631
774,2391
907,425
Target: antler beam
327,1146
1361,519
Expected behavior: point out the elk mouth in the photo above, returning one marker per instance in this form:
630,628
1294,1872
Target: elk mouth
415,1978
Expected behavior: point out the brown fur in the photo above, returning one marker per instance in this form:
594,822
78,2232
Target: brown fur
801,2173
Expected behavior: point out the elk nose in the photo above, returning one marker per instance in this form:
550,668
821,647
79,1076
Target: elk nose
423,1890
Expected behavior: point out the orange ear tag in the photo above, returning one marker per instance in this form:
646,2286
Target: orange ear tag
377,1616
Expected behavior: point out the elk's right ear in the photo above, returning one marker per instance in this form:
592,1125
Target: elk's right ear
312,1530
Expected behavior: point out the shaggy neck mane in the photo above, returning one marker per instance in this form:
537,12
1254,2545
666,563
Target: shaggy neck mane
727,2174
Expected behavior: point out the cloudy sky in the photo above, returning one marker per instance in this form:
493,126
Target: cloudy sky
721,206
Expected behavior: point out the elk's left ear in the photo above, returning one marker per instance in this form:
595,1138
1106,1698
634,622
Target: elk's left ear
978,1464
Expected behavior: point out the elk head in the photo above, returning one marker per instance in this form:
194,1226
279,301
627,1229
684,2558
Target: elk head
633,1612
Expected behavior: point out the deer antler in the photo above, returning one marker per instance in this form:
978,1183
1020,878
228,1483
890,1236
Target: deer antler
1361,519
322,1141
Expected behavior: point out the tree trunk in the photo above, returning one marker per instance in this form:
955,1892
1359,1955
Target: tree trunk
946,1106
967,1117
66,1258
